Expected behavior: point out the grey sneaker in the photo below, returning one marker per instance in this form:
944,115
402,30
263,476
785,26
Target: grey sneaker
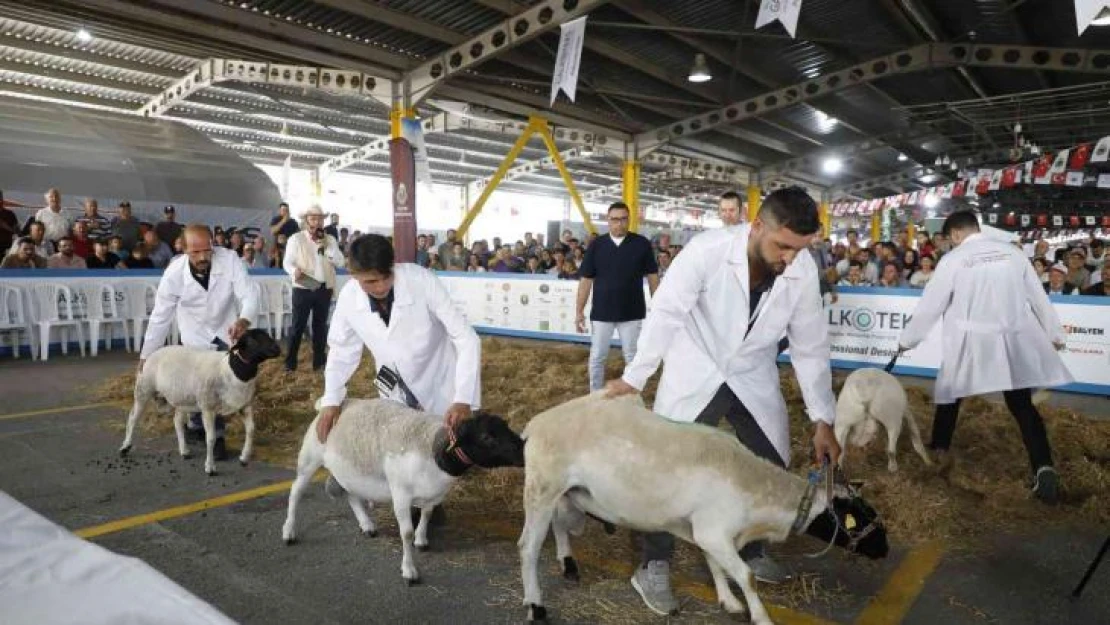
653,582
1046,485
768,571
333,489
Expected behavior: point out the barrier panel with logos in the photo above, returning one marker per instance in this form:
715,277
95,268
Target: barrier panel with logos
864,324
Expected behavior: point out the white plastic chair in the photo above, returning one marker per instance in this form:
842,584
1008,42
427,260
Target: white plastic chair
54,308
265,312
280,295
101,310
15,317
140,299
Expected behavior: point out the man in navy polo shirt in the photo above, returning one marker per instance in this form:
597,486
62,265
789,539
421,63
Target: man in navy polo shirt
614,269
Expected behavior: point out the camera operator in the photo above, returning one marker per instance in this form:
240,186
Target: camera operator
311,257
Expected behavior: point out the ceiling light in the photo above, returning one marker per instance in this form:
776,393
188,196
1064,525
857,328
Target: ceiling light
903,157
826,121
700,71
1103,18
84,36
832,165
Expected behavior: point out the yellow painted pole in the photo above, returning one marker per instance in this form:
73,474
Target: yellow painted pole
876,226
630,193
553,150
533,125
826,219
911,233
754,200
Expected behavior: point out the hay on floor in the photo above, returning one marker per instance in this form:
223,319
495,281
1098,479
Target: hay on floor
986,490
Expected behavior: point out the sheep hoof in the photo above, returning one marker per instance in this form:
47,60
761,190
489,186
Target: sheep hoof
609,528
422,548
123,451
290,541
537,613
186,454
570,569
242,462
370,533
211,472
739,615
415,581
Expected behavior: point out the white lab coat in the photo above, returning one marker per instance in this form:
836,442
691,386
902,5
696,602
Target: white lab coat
697,323
201,315
428,341
998,325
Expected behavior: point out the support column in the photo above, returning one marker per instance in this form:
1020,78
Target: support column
403,173
826,219
755,198
630,192
911,230
876,227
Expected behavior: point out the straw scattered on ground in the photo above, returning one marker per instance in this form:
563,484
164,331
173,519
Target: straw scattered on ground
985,491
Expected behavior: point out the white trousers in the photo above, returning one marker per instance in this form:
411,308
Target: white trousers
600,334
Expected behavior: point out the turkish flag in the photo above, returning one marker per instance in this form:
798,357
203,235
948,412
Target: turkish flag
984,184
1059,178
1042,220
960,189
1073,221
1040,169
1009,177
1079,156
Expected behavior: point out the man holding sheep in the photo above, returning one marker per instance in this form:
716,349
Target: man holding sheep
208,291
715,324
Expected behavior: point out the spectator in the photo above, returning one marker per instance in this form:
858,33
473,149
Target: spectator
448,245
43,247
729,209
1102,288
474,264
103,258
259,258
456,260
115,246
569,270
923,274
138,258
332,229
168,230
891,277
57,225
614,270
664,260
179,245
1058,281
421,250
1078,275
250,255
9,226
1040,267
283,224
159,253
310,260
99,226
65,258
236,243
558,258
24,256
910,262
344,239
220,238
433,261
532,265
854,276
82,244
126,227
503,263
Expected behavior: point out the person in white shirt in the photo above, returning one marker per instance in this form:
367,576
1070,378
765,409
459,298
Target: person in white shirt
311,256
57,225
207,290
421,343
999,333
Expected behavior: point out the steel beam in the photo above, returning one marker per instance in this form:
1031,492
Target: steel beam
918,58
890,181
845,151
508,34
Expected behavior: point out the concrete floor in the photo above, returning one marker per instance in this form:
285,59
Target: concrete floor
61,461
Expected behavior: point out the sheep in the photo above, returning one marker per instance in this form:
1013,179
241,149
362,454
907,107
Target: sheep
380,450
871,396
191,379
616,460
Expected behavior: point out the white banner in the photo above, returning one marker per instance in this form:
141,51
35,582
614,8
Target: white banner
864,324
1086,11
413,132
565,76
785,11
286,171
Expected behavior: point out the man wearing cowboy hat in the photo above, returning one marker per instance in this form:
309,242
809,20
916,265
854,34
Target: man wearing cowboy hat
311,256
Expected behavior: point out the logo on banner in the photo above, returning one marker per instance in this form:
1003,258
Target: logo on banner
865,319
402,196
1081,330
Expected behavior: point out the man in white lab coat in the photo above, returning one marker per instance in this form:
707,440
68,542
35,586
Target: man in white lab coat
424,350
715,323
207,289
999,333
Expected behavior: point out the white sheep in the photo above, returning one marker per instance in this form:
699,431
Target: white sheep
871,396
213,383
616,460
380,450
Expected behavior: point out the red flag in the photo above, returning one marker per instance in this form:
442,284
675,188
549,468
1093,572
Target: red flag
1011,219
1074,221
1040,169
1106,221
1079,156
960,189
1009,176
984,184
1042,219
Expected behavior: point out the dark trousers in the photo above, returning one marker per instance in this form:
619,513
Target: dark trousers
1020,404
306,302
660,545
195,422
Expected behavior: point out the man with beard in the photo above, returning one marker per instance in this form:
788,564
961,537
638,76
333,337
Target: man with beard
202,289
715,324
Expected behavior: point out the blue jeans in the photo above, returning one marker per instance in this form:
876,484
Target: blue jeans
600,334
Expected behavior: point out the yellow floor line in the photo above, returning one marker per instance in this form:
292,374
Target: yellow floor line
47,411
187,509
893,602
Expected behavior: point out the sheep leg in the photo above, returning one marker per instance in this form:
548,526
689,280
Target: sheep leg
725,597
361,510
915,438
893,431
402,509
132,419
560,527
310,459
421,541
726,556
179,418
248,435
209,419
537,520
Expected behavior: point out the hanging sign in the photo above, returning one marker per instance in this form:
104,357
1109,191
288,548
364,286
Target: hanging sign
565,77
1086,11
785,11
413,131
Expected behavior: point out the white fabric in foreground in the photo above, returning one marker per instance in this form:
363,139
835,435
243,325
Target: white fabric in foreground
49,576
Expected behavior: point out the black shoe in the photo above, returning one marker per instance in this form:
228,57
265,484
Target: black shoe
219,450
1046,485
